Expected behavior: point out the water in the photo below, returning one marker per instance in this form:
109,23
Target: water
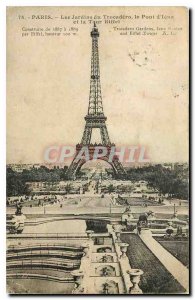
62,226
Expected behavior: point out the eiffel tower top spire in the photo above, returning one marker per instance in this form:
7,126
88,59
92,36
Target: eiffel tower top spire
95,98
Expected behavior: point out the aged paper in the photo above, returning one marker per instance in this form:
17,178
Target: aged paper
97,150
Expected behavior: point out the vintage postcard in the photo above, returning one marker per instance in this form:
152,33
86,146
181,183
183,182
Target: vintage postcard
97,150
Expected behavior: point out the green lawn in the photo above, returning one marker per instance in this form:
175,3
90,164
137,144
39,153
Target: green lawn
156,279
137,201
179,249
141,201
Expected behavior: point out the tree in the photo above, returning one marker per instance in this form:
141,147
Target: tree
15,184
68,187
110,188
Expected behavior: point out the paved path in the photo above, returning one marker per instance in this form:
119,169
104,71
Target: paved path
173,265
98,205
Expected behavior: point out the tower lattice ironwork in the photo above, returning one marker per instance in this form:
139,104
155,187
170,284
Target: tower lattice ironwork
95,118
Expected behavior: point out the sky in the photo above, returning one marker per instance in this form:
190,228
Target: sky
144,80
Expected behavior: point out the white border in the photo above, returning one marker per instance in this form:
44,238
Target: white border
3,4
188,3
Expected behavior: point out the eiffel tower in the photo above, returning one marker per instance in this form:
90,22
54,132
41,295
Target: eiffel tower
95,118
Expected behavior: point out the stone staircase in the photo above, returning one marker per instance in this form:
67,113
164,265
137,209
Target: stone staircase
105,267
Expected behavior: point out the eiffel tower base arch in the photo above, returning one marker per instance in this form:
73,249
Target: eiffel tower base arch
117,167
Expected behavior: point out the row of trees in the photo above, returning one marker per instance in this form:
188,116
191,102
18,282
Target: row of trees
44,174
117,189
16,182
166,181
173,182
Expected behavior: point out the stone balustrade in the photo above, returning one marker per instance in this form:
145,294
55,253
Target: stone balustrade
106,276
81,277
89,234
123,262
78,276
135,279
118,237
131,281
